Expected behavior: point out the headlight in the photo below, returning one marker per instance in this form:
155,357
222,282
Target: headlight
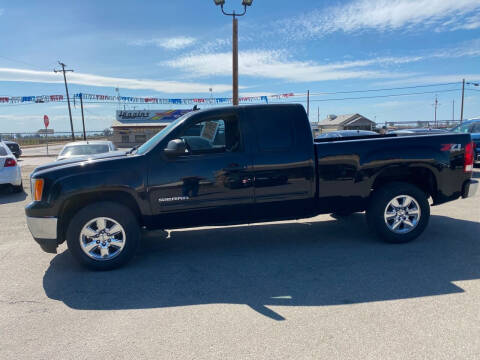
36,189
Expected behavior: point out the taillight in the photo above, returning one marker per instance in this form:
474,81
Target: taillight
9,162
468,158
37,189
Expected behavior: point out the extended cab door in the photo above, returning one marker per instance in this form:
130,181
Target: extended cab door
284,166
211,183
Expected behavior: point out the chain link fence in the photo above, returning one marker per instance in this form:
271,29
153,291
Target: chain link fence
39,138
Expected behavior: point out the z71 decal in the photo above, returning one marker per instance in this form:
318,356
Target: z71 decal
451,147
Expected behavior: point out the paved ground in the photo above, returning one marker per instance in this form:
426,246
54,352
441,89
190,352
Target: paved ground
42,150
316,289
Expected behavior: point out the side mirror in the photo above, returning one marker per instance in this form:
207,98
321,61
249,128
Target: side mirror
175,147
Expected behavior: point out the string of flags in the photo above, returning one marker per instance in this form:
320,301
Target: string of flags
139,100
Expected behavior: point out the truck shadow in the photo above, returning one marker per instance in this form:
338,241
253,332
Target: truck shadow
8,197
293,264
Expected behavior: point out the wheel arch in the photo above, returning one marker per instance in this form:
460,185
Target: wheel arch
421,176
74,203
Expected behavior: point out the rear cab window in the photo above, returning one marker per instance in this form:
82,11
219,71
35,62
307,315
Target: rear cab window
275,131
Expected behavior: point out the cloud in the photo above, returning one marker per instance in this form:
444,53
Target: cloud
384,15
22,75
175,43
274,65
278,64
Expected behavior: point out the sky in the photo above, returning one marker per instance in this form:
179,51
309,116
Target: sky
182,48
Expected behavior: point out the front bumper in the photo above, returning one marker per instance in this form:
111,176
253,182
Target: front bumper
44,231
470,188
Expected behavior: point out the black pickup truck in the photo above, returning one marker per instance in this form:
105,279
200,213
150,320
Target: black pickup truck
243,164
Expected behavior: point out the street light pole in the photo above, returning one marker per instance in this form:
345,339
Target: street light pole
245,3
235,60
463,95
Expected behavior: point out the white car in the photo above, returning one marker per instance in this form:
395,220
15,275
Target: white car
85,149
10,173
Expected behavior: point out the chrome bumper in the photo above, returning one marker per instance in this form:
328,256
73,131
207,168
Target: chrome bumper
42,228
470,188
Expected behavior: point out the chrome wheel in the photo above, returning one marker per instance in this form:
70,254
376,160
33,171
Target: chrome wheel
102,238
402,214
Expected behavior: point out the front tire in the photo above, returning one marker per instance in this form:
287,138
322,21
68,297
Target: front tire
398,212
103,235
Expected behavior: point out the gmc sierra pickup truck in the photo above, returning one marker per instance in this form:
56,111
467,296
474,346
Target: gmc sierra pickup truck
243,164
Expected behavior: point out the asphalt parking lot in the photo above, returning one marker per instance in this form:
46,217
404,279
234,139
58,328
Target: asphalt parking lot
319,288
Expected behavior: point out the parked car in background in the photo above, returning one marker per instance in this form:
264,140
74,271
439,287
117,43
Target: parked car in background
418,131
14,148
85,149
346,133
471,127
10,173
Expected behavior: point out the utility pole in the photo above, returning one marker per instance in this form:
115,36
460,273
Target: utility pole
436,105
83,118
463,96
453,110
308,105
68,97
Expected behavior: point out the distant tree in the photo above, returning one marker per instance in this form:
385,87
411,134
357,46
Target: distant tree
18,136
107,132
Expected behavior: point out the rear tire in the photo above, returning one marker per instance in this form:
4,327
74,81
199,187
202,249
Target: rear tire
389,216
18,189
107,246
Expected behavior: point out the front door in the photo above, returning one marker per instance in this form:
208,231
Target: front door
210,183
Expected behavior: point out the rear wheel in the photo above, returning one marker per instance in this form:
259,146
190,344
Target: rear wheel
103,235
398,212
18,189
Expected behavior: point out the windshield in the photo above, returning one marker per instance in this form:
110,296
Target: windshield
150,144
84,150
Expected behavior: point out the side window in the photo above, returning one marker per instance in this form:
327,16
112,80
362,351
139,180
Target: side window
274,133
462,128
214,135
476,127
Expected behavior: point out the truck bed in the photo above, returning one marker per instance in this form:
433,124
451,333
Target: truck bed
349,168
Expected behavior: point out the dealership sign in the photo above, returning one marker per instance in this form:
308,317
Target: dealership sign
154,116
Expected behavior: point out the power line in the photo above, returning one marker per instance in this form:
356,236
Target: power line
371,97
274,102
385,89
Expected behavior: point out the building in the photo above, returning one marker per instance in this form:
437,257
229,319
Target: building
344,122
134,127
